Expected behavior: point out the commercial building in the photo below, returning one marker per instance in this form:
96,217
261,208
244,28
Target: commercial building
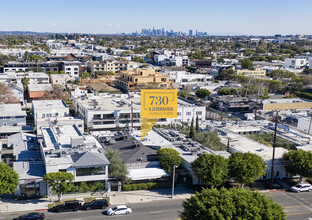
286,104
14,66
65,148
142,78
72,68
295,63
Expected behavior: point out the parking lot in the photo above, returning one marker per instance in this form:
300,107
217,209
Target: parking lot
297,206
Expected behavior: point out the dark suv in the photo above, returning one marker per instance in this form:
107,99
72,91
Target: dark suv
73,205
96,204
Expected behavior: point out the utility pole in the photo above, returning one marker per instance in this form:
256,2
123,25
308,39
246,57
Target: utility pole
310,124
274,145
173,175
221,111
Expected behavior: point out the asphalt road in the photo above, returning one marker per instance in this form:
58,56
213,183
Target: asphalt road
297,206
164,210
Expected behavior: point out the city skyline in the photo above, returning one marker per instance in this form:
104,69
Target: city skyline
105,17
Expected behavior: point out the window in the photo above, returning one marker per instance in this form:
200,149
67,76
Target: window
124,115
90,171
198,113
108,116
62,170
97,123
179,113
188,113
96,117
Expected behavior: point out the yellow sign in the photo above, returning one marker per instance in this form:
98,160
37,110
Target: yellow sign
155,104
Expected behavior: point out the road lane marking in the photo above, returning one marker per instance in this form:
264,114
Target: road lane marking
287,207
156,212
302,213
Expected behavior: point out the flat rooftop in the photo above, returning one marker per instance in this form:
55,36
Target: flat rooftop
11,110
48,104
40,87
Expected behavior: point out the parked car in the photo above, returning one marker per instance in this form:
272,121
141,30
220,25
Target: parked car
119,210
32,216
96,204
72,205
301,188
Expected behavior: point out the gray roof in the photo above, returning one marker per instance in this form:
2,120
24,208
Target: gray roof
89,159
11,110
39,87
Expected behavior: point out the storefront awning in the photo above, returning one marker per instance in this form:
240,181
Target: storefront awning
147,173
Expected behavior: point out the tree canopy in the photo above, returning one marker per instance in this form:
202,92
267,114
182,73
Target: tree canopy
9,179
202,93
168,158
246,64
246,168
299,162
60,182
117,168
230,204
211,170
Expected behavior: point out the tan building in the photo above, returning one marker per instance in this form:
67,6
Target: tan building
256,72
142,78
286,104
108,65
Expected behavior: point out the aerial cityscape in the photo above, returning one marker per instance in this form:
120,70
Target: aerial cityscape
146,110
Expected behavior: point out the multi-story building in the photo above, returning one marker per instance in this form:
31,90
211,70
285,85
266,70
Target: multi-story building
13,66
17,77
72,68
65,148
142,78
295,63
60,79
49,108
108,65
257,72
116,111
171,60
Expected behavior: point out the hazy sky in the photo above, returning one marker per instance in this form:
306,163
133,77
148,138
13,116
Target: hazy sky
251,17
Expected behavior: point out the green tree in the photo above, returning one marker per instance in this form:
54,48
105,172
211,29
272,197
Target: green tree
220,60
307,71
85,75
246,64
225,74
9,179
229,204
299,162
60,182
210,169
117,168
192,130
197,124
138,59
202,93
168,158
183,94
246,168
26,55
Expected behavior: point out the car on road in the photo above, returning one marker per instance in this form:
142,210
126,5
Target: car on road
96,204
72,205
119,210
32,216
301,188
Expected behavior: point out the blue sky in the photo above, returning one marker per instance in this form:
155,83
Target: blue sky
251,17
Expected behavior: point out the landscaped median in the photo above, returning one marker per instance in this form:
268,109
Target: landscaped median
88,199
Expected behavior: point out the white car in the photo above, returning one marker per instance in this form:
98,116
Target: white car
301,188
119,210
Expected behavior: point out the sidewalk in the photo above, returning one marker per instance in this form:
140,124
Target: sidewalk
128,197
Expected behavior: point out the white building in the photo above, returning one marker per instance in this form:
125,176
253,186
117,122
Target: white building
182,78
113,111
295,63
71,68
16,77
49,109
61,79
65,148
168,59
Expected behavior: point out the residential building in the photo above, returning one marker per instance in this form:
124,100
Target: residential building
49,109
72,68
295,63
18,91
61,79
14,66
142,78
231,103
171,60
281,103
108,65
65,148
36,91
203,63
114,111
28,164
79,91
17,77
257,72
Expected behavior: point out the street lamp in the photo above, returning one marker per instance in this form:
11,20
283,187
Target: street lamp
173,174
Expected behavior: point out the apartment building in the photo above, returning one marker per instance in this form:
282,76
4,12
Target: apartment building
257,72
142,78
295,63
48,109
108,65
117,111
13,66
17,77
72,68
